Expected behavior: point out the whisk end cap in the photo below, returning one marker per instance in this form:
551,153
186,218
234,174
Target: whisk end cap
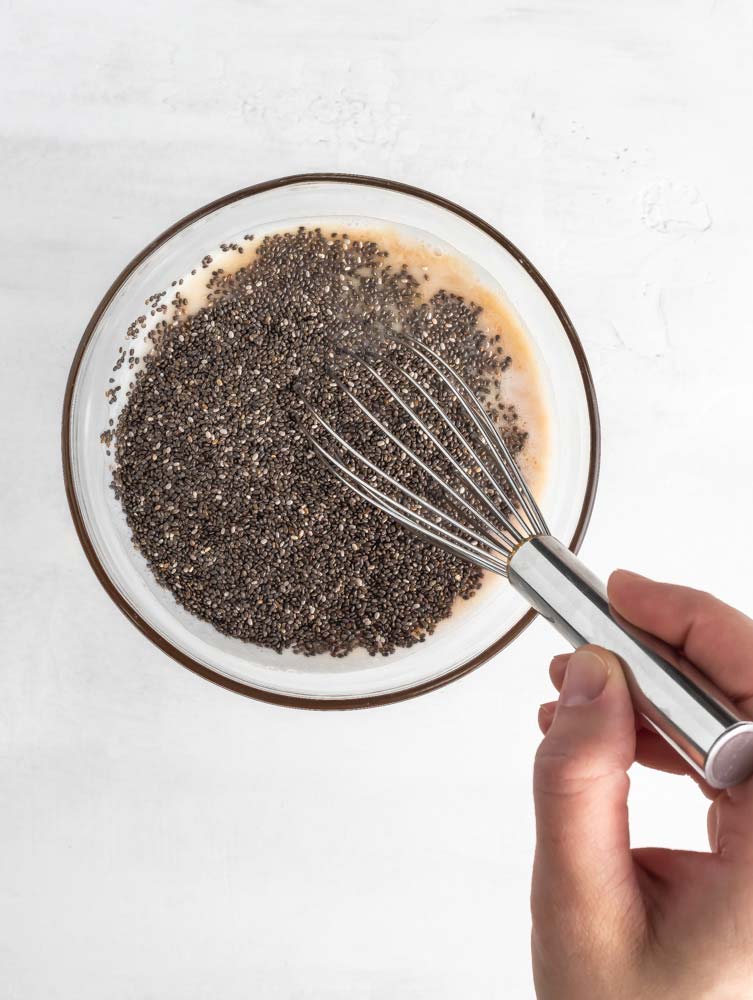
730,759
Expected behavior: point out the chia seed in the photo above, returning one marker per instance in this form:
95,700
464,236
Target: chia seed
223,494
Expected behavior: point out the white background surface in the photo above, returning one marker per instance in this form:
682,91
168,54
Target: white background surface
163,838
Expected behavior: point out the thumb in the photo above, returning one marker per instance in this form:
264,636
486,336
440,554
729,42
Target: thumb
583,862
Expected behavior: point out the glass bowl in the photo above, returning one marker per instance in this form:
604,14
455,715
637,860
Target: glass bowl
482,626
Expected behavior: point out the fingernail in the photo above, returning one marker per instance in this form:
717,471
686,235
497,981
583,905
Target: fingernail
558,669
629,572
546,715
585,678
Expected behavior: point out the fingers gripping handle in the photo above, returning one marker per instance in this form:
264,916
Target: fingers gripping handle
677,700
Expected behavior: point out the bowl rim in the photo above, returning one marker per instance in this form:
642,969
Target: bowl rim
274,697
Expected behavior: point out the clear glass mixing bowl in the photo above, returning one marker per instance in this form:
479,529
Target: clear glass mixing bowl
482,626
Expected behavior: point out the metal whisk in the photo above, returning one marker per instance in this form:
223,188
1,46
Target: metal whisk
488,515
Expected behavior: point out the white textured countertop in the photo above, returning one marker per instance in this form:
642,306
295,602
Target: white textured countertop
163,838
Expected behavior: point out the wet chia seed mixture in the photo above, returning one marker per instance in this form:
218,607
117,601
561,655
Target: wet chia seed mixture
225,498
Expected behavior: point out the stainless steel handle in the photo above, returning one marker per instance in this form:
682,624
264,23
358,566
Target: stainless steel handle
676,699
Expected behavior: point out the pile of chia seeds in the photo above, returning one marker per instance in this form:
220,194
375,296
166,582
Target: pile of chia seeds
226,499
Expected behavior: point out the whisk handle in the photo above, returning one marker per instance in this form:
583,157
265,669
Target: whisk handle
674,697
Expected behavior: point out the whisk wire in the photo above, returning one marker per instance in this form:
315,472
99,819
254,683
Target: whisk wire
413,520
471,451
477,492
503,513
492,541
406,449
490,433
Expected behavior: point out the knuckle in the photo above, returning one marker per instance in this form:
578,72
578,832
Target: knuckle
557,772
705,608
560,774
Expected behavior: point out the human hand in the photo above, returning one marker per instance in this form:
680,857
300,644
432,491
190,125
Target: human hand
614,924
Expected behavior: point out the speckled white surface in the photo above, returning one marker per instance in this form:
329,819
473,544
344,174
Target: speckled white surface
162,838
